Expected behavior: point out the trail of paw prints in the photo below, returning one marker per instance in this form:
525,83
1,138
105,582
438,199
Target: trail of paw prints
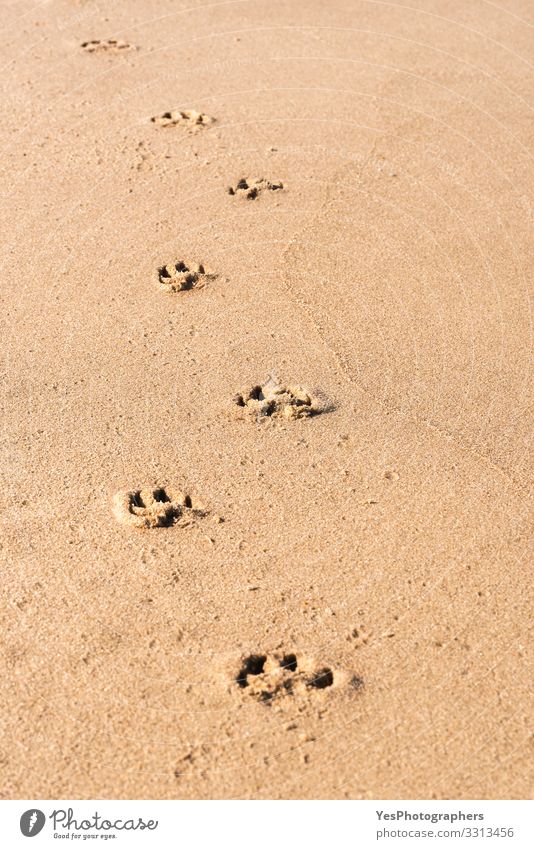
110,46
182,275
250,188
189,119
275,400
270,677
156,508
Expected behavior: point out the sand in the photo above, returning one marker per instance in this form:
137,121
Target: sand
347,615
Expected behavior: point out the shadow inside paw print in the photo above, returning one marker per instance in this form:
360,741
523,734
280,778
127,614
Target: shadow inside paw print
110,45
189,118
267,677
181,275
251,187
155,507
274,400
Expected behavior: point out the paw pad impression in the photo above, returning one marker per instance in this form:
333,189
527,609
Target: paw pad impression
275,400
189,118
251,187
154,507
182,275
268,677
110,45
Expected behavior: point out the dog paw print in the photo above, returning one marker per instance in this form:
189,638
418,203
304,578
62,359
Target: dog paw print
181,275
155,507
359,636
192,759
268,677
272,400
250,188
188,118
110,45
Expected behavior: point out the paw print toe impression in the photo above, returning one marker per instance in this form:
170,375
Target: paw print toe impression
110,45
183,275
268,677
189,119
155,507
250,188
272,400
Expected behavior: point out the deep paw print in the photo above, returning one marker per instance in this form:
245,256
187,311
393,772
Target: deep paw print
155,507
268,677
188,118
183,275
110,45
273,400
250,188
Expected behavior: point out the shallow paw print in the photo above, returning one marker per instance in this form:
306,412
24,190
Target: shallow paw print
144,158
359,636
275,400
192,759
250,188
269,677
188,118
155,507
183,275
110,45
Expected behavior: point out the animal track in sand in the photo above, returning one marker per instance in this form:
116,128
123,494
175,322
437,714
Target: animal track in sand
272,400
267,677
183,275
110,45
251,187
188,118
359,636
155,507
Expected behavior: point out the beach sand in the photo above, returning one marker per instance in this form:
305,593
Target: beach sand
266,453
